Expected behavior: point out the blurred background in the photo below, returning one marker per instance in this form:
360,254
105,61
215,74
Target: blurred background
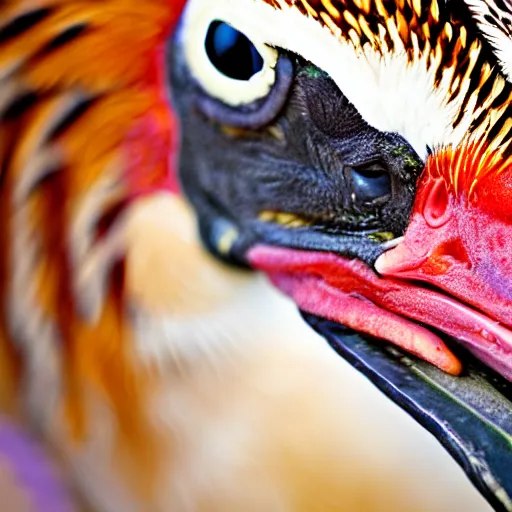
265,416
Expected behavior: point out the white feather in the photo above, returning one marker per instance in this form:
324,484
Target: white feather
391,93
496,25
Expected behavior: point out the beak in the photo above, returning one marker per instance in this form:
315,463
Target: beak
443,293
467,408
469,415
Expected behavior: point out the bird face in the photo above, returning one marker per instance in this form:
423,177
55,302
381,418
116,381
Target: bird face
282,148
358,152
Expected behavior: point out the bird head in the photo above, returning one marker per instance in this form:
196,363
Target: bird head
355,150
359,153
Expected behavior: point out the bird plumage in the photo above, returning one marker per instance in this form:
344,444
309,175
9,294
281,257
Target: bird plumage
82,94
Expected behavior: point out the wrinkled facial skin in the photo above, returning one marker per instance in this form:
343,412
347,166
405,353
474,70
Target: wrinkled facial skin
315,158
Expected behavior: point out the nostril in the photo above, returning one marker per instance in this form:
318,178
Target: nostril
446,255
436,209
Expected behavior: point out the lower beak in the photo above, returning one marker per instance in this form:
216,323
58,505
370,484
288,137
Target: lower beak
469,415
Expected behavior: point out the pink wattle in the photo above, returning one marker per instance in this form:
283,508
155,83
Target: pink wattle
350,293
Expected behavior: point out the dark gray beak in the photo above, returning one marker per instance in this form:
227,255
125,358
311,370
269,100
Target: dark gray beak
471,415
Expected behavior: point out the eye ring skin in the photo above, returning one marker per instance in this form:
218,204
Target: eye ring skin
256,118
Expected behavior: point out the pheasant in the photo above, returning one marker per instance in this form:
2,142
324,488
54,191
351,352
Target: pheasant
122,343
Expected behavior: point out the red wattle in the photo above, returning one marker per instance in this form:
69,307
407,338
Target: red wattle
315,296
325,285
350,293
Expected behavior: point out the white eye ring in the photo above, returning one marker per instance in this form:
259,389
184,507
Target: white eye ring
198,17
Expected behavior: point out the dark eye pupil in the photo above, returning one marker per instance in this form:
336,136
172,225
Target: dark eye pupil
231,52
370,184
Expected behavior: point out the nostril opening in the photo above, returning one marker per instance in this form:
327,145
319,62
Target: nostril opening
436,211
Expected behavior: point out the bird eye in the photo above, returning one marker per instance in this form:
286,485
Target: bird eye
226,54
231,52
370,183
